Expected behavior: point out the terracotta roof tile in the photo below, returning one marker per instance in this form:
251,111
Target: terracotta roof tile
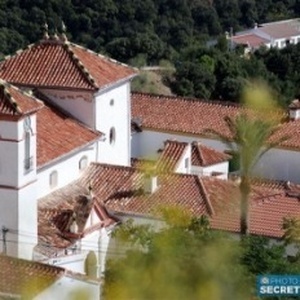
122,190
59,134
105,71
250,39
56,213
62,65
26,278
170,156
205,156
178,114
15,102
195,117
268,207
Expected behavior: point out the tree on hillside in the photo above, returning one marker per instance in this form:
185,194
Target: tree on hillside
251,135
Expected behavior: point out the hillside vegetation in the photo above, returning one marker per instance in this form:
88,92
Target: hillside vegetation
173,30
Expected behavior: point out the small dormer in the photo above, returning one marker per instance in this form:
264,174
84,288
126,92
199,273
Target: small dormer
207,161
294,110
174,158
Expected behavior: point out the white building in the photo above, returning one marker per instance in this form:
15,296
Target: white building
274,34
66,143
83,116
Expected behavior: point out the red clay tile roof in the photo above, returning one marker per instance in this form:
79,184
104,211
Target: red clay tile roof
54,64
170,156
15,102
250,39
267,209
57,211
195,117
121,189
178,114
24,278
205,156
58,134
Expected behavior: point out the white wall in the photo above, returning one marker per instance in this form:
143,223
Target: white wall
12,153
67,287
222,167
279,164
18,214
78,104
73,262
181,168
98,242
118,116
146,143
67,169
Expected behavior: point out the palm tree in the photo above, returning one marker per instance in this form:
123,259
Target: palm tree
251,135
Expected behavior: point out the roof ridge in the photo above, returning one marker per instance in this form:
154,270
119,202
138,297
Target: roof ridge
199,153
106,165
79,64
13,103
19,52
190,99
205,195
103,56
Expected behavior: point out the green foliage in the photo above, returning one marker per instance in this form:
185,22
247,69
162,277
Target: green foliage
181,262
166,29
262,257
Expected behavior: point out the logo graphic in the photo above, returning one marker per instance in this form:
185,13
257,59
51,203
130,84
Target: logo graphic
264,280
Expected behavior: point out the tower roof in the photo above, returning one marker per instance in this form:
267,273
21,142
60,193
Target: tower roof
16,103
60,64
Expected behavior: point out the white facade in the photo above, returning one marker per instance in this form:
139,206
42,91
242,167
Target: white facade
276,164
18,201
146,143
78,104
113,117
184,165
67,168
219,170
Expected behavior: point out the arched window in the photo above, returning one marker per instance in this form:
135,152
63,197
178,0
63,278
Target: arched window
53,179
112,136
28,159
83,163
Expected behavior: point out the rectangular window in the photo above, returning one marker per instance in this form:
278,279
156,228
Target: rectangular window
28,162
186,163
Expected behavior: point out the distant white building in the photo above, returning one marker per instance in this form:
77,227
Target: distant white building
275,34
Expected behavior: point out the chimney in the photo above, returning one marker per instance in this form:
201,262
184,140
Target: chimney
255,25
150,183
294,110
